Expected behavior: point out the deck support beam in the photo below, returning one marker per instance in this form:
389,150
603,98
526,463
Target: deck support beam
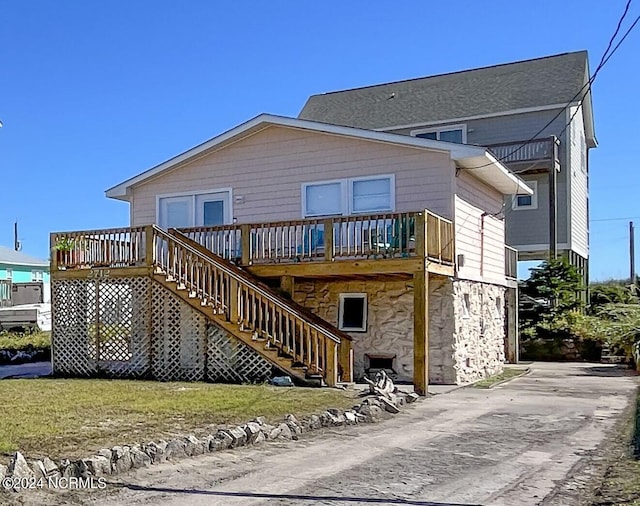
421,332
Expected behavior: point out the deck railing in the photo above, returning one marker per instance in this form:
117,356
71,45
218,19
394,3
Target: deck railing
117,247
510,262
524,151
389,235
229,291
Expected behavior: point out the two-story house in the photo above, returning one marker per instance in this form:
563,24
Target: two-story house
325,251
535,115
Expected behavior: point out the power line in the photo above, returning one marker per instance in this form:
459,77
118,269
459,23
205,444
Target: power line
617,219
603,61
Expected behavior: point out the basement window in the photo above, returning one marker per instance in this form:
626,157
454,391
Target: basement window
466,305
498,308
352,315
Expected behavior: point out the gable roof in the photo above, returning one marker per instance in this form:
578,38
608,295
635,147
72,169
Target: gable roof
541,82
11,257
485,165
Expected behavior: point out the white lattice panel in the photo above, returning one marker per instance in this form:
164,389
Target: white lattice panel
134,327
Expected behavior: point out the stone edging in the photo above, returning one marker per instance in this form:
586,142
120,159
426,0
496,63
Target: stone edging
120,459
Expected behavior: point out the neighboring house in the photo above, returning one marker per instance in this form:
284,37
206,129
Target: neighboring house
502,107
327,251
18,273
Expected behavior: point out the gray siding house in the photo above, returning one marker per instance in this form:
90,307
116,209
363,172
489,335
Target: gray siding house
535,115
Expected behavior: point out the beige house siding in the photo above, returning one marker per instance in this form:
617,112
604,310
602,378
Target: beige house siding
266,171
483,250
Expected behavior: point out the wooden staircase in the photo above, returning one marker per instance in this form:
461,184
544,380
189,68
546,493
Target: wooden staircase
288,335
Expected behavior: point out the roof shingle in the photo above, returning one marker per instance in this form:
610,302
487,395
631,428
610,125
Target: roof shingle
488,90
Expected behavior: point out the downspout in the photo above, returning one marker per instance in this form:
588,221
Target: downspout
482,216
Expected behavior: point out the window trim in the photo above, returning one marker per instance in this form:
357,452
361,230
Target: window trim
346,196
392,193
228,216
356,295
534,198
437,130
36,276
343,197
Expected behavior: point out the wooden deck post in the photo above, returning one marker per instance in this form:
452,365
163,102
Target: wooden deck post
54,254
421,331
331,372
149,246
421,235
345,355
245,244
328,239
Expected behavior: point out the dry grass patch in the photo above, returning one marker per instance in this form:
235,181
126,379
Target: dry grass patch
74,417
506,374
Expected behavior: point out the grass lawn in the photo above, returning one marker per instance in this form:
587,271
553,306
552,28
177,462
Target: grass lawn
621,484
506,374
65,418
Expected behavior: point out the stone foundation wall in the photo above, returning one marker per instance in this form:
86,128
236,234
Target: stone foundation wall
478,338
464,346
390,318
442,325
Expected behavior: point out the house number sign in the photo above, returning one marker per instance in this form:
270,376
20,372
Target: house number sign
99,273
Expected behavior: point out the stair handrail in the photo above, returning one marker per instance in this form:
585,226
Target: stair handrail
247,281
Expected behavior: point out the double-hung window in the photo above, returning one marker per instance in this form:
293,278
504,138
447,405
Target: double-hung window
369,194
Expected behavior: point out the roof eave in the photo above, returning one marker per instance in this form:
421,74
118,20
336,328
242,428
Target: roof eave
491,171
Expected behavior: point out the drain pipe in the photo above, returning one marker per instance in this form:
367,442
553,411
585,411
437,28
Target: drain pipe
482,217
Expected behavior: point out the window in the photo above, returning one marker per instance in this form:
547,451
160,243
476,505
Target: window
466,305
323,199
368,195
498,308
352,315
9,274
198,209
527,201
450,133
36,275
347,196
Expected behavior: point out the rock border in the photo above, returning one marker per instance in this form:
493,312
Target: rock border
123,458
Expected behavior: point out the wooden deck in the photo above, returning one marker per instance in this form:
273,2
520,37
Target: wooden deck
392,243
99,276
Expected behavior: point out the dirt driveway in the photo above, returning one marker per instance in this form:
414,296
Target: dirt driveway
530,441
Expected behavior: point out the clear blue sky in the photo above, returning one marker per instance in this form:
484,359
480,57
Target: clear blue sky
92,93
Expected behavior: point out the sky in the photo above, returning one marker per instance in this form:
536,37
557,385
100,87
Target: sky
92,93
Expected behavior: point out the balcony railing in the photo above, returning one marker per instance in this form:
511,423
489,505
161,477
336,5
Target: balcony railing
380,236
524,151
510,262
392,235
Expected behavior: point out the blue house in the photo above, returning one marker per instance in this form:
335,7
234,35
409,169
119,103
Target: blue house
17,267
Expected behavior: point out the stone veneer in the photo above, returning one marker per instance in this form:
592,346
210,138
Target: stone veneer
464,346
390,318
478,339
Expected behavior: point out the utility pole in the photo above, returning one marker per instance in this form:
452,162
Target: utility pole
632,257
16,242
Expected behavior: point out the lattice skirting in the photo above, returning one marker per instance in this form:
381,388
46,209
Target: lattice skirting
136,328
